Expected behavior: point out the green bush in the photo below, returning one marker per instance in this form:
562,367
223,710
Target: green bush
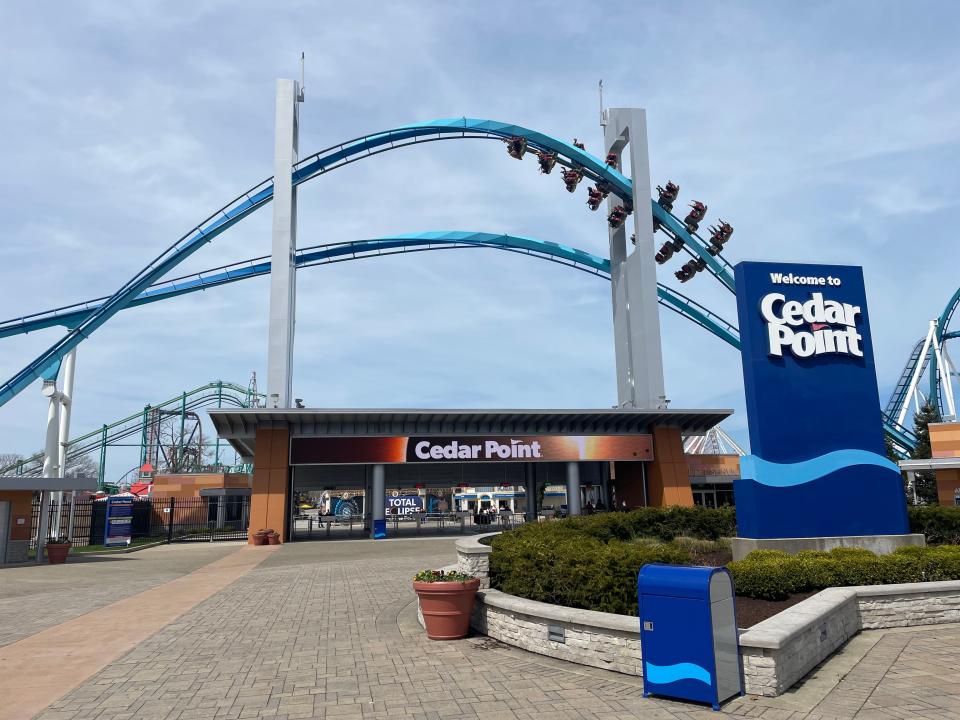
759,555
592,561
772,576
653,522
557,563
940,525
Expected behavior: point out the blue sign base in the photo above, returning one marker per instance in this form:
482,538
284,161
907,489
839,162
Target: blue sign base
379,529
833,501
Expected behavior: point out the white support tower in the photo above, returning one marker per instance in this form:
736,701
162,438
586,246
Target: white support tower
283,276
633,272
930,345
51,462
66,405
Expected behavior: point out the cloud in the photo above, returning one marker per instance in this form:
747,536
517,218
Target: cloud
821,132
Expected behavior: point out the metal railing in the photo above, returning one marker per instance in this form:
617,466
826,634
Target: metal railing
199,519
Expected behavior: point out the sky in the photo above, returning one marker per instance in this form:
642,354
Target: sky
823,132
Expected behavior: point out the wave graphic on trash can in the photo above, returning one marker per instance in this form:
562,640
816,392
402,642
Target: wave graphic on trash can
664,674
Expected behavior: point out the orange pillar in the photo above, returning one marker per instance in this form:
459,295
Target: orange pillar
271,486
948,483
668,478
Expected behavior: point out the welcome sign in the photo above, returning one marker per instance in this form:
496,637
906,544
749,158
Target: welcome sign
819,466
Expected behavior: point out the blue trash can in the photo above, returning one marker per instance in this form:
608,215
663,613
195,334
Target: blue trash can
688,633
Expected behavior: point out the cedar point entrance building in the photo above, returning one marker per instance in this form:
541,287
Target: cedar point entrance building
635,455
636,448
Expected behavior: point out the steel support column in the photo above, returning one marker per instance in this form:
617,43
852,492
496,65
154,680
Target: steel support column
530,490
66,403
633,274
573,489
283,278
51,463
378,501
102,470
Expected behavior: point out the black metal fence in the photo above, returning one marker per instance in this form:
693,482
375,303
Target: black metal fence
204,518
198,519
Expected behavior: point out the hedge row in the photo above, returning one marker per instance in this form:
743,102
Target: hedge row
653,522
591,562
940,524
574,570
774,575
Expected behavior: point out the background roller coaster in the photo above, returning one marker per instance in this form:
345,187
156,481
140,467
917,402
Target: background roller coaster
84,318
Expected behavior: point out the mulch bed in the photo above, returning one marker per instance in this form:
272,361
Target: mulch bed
750,611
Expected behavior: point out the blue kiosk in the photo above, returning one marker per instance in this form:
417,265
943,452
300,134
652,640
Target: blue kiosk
688,633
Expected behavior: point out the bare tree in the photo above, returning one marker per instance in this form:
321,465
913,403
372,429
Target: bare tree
82,466
7,459
180,444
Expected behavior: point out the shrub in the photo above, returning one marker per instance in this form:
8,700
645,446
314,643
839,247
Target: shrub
558,564
592,561
758,555
773,576
940,525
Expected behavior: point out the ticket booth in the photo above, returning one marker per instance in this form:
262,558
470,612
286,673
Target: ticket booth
688,633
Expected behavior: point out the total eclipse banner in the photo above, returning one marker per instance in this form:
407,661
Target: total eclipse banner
468,448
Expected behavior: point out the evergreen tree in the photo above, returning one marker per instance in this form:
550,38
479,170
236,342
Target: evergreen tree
926,480
892,455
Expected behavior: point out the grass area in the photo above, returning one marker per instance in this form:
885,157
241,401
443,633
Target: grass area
101,548
86,549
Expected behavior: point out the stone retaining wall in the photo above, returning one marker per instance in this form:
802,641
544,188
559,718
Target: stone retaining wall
777,653
780,651
602,640
473,558
885,606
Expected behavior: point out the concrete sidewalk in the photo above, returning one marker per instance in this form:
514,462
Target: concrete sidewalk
35,597
324,630
41,668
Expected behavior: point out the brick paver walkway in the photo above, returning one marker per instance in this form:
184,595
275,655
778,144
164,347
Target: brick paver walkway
328,630
53,594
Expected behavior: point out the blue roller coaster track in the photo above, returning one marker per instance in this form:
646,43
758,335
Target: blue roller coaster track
86,318
321,163
928,364
70,316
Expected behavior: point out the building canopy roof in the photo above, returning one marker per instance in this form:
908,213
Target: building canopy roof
947,463
17,482
239,426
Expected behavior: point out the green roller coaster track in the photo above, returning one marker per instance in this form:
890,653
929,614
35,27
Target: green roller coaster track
213,394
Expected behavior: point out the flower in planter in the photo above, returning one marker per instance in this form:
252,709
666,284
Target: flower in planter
446,602
431,576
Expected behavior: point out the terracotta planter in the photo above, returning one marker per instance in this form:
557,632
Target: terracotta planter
446,607
57,553
273,539
260,538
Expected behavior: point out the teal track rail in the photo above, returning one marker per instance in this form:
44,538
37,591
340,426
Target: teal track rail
73,315
318,164
943,333
330,159
928,363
